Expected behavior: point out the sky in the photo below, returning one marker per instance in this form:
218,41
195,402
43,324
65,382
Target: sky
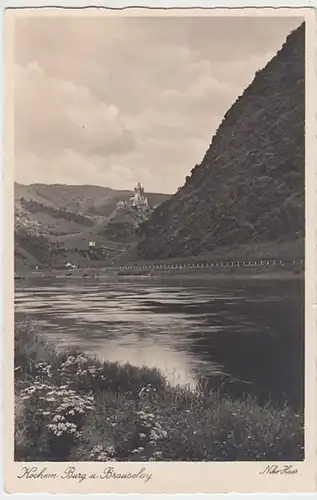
113,101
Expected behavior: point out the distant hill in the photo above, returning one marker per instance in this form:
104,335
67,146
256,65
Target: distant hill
54,223
88,200
249,187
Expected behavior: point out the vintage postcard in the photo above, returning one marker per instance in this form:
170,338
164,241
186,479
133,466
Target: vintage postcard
160,250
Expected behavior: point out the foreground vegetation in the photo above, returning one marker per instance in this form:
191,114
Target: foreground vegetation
72,407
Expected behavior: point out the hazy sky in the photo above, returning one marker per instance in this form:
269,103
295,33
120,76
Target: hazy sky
113,101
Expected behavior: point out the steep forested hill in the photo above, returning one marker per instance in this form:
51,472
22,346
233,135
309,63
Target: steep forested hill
250,185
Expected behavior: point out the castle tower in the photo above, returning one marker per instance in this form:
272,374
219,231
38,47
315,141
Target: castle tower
138,199
139,189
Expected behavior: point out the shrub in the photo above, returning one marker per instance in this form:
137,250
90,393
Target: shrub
52,419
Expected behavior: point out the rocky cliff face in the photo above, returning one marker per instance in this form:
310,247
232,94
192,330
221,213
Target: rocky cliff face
250,185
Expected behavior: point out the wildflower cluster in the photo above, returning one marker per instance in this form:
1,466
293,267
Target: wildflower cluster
80,366
61,426
150,434
150,427
101,454
44,369
62,409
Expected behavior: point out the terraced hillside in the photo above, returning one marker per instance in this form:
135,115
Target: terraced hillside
55,223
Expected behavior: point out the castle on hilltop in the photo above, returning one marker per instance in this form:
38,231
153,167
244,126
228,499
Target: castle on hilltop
138,200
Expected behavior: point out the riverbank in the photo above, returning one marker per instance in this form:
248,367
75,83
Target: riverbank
266,272
69,406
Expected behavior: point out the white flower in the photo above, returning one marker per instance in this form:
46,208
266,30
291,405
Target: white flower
97,448
58,417
157,433
110,449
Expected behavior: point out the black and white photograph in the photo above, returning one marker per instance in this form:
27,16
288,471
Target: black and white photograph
159,239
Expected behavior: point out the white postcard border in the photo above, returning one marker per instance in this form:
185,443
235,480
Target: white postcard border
170,477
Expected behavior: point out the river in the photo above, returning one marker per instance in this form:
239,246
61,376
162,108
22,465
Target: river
251,329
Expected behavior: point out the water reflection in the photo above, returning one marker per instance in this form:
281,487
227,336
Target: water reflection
251,329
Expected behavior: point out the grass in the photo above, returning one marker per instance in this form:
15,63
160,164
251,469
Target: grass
72,407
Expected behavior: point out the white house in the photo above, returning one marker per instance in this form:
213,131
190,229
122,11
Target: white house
69,265
92,244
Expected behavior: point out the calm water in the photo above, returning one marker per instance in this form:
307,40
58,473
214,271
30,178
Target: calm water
252,329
